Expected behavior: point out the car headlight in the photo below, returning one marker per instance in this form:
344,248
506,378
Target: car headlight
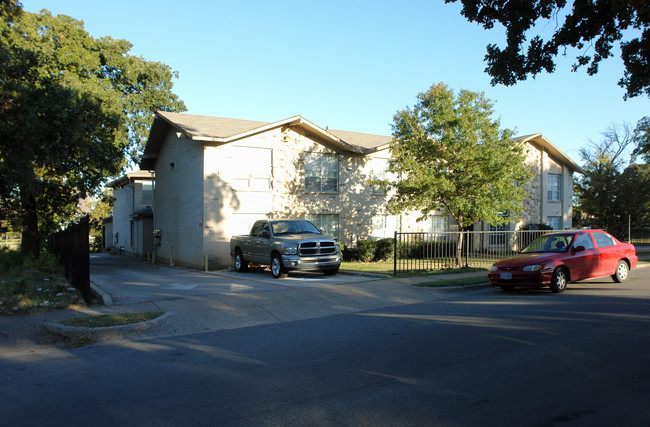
494,268
535,267
289,250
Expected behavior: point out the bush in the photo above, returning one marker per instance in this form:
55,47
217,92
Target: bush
375,250
366,250
539,226
384,249
10,259
425,249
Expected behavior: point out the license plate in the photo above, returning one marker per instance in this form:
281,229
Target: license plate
506,276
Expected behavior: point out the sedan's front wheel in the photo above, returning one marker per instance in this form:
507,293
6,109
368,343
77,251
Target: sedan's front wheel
559,280
621,272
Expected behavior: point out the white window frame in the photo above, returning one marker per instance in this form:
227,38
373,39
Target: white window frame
555,222
327,223
322,168
383,226
554,193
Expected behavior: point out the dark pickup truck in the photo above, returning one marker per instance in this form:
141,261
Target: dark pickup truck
286,244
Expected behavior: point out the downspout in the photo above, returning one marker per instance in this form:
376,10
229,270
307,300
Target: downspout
153,210
542,188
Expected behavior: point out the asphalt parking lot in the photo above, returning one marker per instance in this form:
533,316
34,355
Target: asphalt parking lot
129,280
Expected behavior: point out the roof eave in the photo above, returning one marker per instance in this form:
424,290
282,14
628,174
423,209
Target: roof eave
553,150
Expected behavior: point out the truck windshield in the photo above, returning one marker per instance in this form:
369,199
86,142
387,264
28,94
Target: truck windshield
294,227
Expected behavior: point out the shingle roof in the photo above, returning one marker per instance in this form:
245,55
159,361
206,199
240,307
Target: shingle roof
364,140
208,126
225,130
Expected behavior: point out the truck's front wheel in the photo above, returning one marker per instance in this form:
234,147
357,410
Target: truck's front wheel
277,268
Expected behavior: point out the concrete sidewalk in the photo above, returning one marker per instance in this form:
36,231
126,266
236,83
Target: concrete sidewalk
226,310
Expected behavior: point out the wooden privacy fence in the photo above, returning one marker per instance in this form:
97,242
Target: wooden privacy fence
72,247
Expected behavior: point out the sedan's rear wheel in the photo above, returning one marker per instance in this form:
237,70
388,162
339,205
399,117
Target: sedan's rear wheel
621,272
559,280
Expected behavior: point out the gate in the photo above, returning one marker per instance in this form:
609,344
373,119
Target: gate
72,247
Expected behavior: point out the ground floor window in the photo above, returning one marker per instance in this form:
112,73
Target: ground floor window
497,233
327,223
555,222
437,224
383,226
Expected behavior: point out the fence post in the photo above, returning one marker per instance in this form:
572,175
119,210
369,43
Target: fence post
467,249
395,255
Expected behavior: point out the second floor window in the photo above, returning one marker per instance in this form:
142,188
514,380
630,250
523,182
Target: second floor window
321,172
554,187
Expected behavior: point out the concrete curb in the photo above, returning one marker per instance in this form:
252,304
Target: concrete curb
108,300
104,333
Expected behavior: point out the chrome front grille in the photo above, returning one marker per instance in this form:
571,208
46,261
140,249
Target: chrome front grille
313,248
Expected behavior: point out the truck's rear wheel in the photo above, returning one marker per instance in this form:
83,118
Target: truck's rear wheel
277,268
240,264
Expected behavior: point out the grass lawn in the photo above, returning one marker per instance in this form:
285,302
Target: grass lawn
28,285
107,320
454,282
386,267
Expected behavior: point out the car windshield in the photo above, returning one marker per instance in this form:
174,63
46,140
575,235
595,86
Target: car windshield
549,243
294,227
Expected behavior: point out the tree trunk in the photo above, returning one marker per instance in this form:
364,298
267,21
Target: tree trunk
30,241
459,248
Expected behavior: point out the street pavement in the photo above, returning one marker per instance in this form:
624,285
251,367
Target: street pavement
194,301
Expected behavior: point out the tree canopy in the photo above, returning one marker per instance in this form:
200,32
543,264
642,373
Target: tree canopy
642,139
451,155
74,110
613,191
592,27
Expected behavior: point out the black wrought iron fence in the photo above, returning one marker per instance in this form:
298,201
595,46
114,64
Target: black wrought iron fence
73,248
436,251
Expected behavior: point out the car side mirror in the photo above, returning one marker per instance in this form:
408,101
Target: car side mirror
265,234
578,249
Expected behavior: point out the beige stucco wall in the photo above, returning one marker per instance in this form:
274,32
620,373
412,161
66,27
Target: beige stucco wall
230,208
178,201
216,191
537,207
128,199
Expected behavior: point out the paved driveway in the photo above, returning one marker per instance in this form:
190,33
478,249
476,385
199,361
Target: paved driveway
128,280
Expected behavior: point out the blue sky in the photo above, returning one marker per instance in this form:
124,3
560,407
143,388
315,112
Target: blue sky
348,65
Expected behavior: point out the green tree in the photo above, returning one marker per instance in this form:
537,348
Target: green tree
591,27
642,139
451,155
101,207
74,110
612,190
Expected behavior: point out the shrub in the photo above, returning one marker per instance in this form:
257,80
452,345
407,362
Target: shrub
10,259
539,226
384,249
366,250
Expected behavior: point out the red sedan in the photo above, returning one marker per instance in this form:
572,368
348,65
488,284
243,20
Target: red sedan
556,259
